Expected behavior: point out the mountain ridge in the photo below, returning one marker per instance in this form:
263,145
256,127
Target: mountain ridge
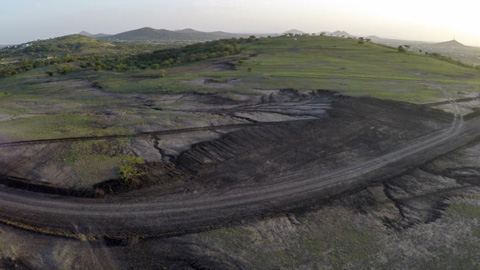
294,31
452,43
339,33
159,35
87,34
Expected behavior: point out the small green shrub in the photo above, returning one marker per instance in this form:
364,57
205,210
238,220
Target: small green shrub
163,72
132,170
64,70
122,67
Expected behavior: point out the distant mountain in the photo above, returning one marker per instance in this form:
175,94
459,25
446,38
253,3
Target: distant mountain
342,34
87,34
160,35
187,31
295,32
326,33
452,48
449,44
373,37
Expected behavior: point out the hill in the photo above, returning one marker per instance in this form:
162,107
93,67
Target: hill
163,35
449,44
452,49
87,34
67,49
71,45
342,34
295,32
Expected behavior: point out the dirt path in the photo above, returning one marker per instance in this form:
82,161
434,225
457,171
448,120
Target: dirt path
143,134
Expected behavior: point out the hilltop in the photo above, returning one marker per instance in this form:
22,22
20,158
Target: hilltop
449,44
295,32
87,34
342,34
162,35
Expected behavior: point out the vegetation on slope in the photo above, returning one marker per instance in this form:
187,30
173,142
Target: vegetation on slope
68,49
192,53
162,35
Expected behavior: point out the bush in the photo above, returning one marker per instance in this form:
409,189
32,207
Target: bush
64,70
402,49
132,170
155,66
163,72
122,67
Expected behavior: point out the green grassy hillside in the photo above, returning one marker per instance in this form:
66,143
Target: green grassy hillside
272,63
313,63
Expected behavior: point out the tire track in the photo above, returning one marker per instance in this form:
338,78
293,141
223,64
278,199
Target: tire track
142,134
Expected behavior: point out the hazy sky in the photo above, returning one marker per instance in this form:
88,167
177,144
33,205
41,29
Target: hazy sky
25,20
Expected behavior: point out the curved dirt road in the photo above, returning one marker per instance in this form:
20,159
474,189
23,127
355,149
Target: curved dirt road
155,216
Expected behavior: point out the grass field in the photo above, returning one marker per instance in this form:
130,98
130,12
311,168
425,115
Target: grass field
316,63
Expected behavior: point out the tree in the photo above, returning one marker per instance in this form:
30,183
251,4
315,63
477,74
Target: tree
402,49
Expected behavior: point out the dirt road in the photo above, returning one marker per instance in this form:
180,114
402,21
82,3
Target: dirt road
159,216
